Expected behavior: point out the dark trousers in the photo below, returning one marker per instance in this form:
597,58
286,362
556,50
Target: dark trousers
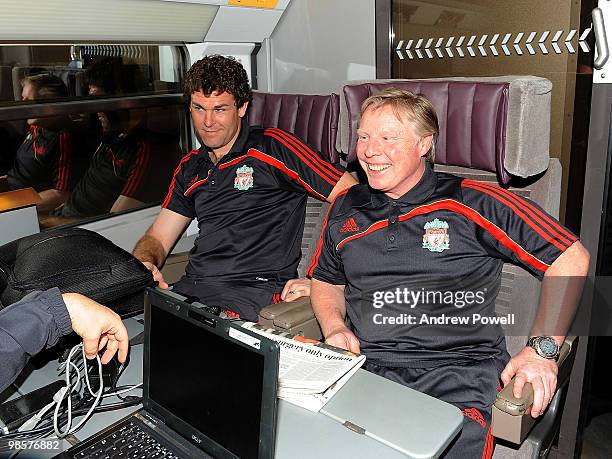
242,298
470,387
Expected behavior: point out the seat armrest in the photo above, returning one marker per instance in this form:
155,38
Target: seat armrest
272,311
511,415
295,317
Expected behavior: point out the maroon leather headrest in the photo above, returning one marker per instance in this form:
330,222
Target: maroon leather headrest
312,118
472,118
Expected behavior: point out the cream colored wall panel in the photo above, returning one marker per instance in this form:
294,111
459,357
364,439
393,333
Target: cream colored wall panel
237,24
104,20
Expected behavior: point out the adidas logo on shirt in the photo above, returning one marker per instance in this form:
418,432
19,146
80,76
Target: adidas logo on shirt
349,226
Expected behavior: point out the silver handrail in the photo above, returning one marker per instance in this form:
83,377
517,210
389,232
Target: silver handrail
601,39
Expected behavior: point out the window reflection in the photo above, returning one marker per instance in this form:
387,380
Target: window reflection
50,159
88,164
152,69
131,165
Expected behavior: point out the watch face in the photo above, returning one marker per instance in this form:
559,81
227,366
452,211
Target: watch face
548,346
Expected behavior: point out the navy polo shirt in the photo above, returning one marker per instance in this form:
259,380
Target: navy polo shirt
133,164
43,161
250,206
447,234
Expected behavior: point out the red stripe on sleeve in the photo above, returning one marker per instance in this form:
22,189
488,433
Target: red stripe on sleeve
311,165
282,167
532,210
330,170
69,159
454,206
525,218
490,227
315,256
314,167
59,182
137,171
144,166
176,171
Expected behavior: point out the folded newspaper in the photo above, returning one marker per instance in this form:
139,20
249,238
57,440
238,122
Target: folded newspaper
310,372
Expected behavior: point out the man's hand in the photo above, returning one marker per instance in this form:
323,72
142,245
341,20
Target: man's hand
296,288
98,326
157,275
342,337
529,367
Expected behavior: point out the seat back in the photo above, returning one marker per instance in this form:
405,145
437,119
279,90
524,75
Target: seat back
314,119
494,124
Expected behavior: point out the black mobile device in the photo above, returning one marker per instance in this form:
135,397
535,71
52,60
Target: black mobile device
14,412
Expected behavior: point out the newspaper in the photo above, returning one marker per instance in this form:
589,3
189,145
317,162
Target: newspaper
310,372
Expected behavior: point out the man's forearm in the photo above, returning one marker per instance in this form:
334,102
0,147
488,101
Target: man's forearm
561,292
559,298
328,305
149,249
51,199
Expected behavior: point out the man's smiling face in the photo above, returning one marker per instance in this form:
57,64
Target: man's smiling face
390,152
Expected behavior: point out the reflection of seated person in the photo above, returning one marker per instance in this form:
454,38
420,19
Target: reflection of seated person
131,165
45,160
413,229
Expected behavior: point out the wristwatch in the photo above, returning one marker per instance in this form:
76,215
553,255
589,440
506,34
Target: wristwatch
545,346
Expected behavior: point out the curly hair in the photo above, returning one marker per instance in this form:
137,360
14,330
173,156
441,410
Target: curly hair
218,73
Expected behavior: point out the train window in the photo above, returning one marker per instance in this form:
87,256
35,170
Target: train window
94,129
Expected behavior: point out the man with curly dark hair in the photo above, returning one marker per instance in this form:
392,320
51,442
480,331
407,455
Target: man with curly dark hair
247,186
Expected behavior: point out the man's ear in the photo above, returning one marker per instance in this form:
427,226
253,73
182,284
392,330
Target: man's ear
242,110
425,144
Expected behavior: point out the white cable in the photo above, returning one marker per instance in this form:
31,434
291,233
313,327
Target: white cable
98,395
57,397
66,391
122,391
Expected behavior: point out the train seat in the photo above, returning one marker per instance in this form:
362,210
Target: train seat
493,129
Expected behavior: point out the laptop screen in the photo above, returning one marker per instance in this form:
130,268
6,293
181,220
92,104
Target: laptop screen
206,380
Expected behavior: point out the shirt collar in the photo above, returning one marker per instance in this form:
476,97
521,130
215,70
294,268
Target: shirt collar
240,143
416,195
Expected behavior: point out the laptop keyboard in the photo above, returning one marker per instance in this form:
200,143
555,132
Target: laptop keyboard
128,442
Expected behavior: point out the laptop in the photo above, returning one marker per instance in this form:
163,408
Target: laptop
209,389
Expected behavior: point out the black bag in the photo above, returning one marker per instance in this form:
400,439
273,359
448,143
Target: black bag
74,260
